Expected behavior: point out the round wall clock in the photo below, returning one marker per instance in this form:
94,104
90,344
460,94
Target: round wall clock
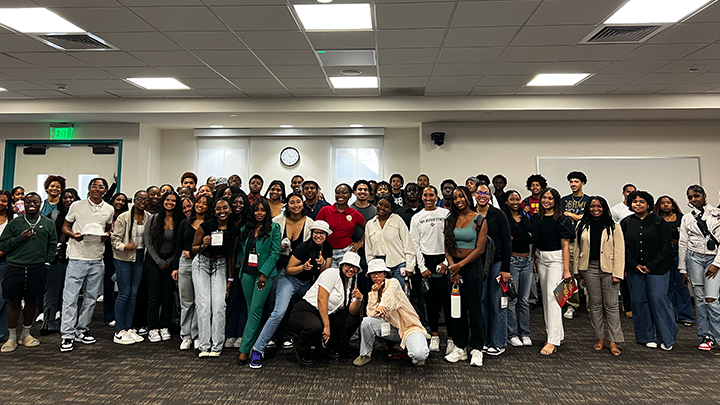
289,156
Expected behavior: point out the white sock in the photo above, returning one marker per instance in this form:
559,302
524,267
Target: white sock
25,332
12,334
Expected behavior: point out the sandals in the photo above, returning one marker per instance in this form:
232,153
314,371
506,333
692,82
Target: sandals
29,342
614,349
687,324
599,345
8,347
545,352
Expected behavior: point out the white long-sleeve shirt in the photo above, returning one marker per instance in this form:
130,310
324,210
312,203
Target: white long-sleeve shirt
427,229
392,241
620,211
692,239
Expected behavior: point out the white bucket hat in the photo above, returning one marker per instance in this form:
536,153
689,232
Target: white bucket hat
310,180
376,266
350,258
321,226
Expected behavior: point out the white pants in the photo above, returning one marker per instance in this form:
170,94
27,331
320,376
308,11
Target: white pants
550,270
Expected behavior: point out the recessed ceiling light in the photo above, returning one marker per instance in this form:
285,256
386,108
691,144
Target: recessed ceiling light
356,82
324,1
655,11
3,89
351,72
216,126
355,125
285,126
336,17
36,20
233,115
157,83
558,79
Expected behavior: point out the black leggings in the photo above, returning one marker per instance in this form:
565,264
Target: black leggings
438,295
160,293
471,318
305,321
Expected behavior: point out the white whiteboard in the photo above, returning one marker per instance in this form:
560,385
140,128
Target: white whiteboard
606,175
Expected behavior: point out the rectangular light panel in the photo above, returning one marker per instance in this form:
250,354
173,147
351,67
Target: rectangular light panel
348,58
558,79
157,83
354,82
36,20
655,11
334,17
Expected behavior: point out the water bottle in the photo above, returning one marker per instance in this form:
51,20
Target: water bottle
455,302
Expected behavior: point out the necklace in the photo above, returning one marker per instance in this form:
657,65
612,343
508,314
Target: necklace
573,198
312,208
32,226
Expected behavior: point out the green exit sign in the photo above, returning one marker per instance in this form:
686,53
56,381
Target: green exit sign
61,134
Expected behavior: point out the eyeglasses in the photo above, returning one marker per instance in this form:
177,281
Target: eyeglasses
97,186
141,199
487,193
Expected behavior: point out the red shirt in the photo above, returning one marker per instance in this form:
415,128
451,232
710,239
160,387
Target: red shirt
534,205
342,224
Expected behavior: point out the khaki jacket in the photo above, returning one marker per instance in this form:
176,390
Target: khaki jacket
124,233
612,252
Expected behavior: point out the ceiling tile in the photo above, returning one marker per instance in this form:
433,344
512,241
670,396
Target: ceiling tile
111,85
222,93
404,82
544,89
242,71
312,92
641,88
594,52
405,56
342,40
568,12
483,36
417,15
139,41
257,18
269,93
48,59
139,71
161,2
661,52
518,68
575,67
77,3
333,71
244,2
273,39
104,19
206,41
602,78
167,58
246,84
709,52
20,43
493,13
688,34
83,73
6,61
32,74
287,58
357,92
667,78
201,84
297,71
45,94
14,85
689,88
192,72
555,35
533,53
640,66
227,58
454,81
418,38
306,83
405,70
682,65
461,69
707,78
470,55
180,18
133,93
592,89
447,91
505,80
178,93
709,14
108,58
494,90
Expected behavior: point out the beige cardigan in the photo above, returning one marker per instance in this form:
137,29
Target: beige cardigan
612,252
124,233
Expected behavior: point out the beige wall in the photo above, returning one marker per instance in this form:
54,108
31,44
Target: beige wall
402,148
512,148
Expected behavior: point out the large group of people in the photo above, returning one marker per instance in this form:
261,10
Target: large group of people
382,262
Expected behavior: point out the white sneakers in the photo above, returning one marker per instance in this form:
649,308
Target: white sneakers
476,358
515,341
651,345
196,344
186,344
123,338
450,347
230,342
165,334
569,313
435,343
154,336
456,355
134,335
526,341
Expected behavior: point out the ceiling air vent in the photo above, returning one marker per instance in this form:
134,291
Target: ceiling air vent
624,34
74,42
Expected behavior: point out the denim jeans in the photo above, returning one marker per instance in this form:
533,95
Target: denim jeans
4,303
209,280
338,255
653,315
395,273
494,316
680,296
286,287
53,292
86,275
708,313
518,310
186,290
128,282
415,344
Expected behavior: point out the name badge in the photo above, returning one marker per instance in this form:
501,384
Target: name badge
385,329
349,217
217,238
503,301
252,260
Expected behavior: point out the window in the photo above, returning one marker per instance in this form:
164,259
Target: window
221,158
354,159
40,186
83,181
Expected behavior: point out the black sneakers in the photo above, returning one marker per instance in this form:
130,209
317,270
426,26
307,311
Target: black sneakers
85,338
66,346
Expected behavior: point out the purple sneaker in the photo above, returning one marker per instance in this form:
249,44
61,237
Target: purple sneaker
255,359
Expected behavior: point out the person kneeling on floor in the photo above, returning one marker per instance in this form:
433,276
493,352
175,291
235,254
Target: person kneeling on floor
390,316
